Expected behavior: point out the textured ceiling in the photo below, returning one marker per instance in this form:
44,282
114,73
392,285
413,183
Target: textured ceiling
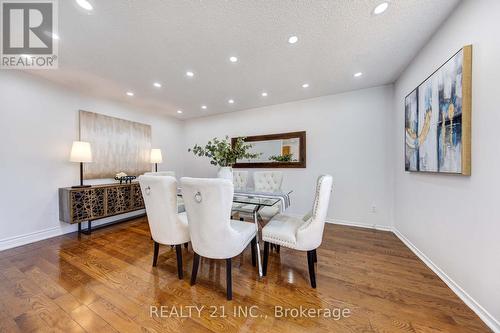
128,45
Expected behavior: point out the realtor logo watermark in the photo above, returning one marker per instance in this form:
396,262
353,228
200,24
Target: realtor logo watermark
29,34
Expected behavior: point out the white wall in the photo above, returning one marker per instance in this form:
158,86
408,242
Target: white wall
455,220
347,137
38,122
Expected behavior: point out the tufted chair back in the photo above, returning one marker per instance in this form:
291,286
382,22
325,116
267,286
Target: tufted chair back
208,204
161,173
268,181
160,199
310,234
240,179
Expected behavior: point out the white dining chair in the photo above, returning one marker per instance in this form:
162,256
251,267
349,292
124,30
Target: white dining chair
180,203
166,225
303,234
268,182
213,234
240,180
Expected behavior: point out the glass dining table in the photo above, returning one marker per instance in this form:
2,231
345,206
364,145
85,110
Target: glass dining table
250,202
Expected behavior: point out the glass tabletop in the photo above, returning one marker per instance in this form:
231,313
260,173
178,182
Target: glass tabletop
251,200
250,197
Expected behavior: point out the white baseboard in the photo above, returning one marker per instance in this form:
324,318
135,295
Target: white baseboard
63,228
8,243
485,316
360,225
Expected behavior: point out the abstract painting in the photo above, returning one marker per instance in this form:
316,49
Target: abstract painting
438,119
411,124
117,145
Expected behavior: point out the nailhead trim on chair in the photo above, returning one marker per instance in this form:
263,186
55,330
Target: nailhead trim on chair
278,241
319,183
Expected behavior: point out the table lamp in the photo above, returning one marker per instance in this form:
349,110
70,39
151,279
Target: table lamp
81,153
156,157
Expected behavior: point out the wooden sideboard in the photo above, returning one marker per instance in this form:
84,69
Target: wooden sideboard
77,205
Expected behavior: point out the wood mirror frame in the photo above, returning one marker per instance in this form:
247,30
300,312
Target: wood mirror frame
301,163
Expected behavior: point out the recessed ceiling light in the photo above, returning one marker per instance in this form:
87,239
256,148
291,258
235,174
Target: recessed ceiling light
204,107
84,4
179,111
189,74
293,39
157,84
381,8
305,85
231,101
129,93
358,74
233,59
264,94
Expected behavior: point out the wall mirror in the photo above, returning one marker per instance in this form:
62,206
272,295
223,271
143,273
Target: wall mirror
285,150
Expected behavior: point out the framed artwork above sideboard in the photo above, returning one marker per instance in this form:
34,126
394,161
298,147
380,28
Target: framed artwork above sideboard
118,145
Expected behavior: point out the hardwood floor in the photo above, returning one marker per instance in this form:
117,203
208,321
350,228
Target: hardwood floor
106,283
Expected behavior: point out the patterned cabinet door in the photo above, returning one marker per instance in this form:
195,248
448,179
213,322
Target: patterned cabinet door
87,204
119,200
137,201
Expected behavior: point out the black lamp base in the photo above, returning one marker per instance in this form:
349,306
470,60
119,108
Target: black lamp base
81,179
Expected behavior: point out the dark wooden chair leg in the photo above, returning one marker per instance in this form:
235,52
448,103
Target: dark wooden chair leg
277,249
315,256
196,262
178,251
310,263
266,257
253,245
155,255
186,245
229,280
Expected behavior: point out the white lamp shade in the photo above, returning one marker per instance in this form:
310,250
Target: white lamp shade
80,152
156,156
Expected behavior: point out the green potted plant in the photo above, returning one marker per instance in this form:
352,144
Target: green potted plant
221,153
